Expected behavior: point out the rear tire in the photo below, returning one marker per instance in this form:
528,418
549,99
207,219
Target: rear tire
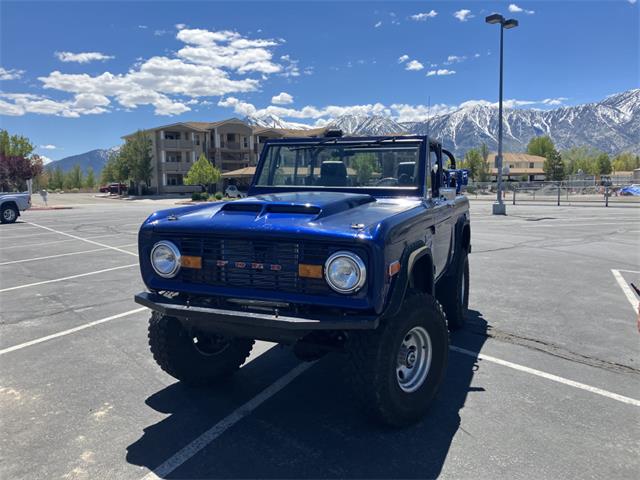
394,381
9,214
453,292
195,360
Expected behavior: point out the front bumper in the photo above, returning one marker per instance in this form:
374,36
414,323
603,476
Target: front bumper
252,324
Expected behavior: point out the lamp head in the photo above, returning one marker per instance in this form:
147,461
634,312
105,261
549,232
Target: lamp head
494,18
511,23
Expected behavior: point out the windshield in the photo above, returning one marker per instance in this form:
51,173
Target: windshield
374,164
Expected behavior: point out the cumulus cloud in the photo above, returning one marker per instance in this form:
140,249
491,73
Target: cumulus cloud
377,24
83,57
463,15
403,58
47,147
440,72
209,63
283,98
421,17
554,101
400,112
414,65
12,74
513,8
455,59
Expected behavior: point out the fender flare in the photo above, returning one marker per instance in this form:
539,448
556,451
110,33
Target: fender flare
411,255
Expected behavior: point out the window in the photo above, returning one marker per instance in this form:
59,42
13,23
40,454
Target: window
532,165
173,157
245,142
174,179
172,135
353,164
197,139
231,137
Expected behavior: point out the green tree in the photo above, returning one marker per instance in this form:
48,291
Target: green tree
626,162
90,181
473,161
108,175
364,165
202,173
57,178
73,178
553,166
14,145
541,146
137,154
603,164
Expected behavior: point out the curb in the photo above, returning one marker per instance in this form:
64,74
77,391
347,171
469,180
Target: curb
51,208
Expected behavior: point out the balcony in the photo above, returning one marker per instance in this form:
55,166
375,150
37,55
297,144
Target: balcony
177,144
176,167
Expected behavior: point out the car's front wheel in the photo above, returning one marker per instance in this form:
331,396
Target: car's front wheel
398,368
9,214
194,358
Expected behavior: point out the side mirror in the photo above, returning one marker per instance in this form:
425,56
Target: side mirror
448,194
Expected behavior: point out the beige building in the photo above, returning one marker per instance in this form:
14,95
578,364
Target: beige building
230,145
519,166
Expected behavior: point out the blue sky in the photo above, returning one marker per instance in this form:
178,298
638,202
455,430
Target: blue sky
78,76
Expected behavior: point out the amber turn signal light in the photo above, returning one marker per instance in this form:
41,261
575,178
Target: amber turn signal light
309,271
191,262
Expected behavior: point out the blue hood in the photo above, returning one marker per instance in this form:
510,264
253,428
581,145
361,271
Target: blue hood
313,214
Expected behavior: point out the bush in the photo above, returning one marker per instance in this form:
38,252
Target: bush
218,196
199,196
75,190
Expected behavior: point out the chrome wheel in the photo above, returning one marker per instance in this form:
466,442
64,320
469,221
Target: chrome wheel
9,214
414,359
462,287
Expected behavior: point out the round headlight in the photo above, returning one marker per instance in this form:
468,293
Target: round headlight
165,259
345,272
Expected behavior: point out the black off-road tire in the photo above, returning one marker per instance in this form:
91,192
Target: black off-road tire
9,214
373,361
175,352
453,292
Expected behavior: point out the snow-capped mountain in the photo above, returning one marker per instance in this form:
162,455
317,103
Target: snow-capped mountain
366,125
274,121
612,125
95,159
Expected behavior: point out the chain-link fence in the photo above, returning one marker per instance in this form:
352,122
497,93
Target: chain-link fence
560,193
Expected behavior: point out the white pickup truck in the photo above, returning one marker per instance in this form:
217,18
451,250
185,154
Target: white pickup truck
11,204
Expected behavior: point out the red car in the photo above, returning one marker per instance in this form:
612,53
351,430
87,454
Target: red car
114,188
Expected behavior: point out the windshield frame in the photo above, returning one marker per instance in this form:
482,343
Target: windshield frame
387,191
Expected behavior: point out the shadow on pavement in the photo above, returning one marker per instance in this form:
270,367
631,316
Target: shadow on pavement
311,429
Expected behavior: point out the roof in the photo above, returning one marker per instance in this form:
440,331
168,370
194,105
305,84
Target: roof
200,126
518,157
242,172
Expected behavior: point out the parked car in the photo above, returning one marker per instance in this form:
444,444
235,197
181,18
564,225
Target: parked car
321,258
232,192
11,204
114,188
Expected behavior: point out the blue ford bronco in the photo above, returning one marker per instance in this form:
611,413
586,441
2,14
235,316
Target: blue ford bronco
349,244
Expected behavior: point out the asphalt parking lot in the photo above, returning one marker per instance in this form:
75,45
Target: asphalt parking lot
543,383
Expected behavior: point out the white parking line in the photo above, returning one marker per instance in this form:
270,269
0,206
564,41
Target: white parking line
625,288
23,245
64,254
71,330
195,446
184,454
85,240
548,376
44,282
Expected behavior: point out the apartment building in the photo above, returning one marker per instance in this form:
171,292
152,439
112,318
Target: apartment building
519,167
229,145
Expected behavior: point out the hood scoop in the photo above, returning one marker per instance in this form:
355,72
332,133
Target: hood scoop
312,203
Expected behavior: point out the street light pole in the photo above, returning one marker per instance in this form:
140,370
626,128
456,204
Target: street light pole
499,208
